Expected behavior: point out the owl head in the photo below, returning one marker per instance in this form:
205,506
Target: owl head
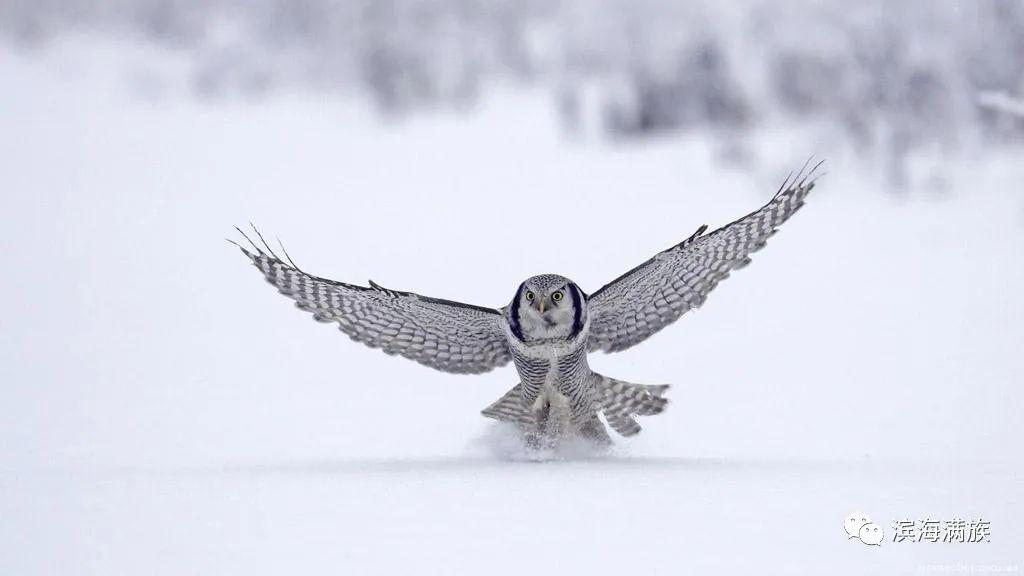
547,307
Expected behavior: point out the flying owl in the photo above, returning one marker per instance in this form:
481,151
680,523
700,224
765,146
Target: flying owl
548,328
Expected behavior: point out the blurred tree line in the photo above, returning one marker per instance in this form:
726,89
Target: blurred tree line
888,76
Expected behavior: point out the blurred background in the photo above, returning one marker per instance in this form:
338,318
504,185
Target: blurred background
889,81
162,410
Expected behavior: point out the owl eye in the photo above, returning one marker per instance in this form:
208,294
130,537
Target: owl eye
529,296
557,296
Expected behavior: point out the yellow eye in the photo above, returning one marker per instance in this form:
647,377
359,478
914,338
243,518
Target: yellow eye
557,296
529,296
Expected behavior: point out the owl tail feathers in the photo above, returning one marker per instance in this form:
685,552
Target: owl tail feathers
510,408
622,401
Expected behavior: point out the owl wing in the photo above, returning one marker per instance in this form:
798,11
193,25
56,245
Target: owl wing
448,336
656,293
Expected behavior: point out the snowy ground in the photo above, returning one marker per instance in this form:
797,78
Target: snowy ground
165,412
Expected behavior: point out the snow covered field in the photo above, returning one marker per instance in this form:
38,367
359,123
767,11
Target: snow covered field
164,411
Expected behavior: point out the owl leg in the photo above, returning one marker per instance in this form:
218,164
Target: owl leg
542,433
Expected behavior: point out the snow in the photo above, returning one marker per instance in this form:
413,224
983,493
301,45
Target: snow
166,412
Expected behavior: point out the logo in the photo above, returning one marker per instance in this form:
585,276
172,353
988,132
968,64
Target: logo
858,525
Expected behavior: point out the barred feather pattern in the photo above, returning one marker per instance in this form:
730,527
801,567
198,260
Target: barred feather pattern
577,382
622,401
653,295
554,374
619,401
533,373
511,408
568,374
448,336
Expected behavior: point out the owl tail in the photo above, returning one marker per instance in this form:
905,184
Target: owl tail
510,408
622,401
619,401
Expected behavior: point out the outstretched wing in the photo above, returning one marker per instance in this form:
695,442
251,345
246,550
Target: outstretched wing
659,291
448,336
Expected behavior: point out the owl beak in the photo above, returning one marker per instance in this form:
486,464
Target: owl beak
540,305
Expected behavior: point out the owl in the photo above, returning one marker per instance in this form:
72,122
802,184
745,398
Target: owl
548,328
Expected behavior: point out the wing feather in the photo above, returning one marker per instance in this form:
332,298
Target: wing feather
656,293
445,335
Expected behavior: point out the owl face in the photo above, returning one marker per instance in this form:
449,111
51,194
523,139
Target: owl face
547,307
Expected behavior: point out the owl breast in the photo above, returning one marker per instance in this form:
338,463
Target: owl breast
556,380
